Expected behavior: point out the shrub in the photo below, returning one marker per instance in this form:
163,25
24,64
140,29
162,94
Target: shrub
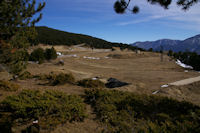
45,76
89,83
57,79
7,86
37,55
62,78
50,108
126,112
25,75
50,53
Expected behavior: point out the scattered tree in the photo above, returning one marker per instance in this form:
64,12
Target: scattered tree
37,55
50,53
150,49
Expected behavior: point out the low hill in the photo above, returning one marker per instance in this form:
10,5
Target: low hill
51,36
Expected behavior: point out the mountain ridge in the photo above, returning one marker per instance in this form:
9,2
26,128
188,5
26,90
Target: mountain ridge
191,44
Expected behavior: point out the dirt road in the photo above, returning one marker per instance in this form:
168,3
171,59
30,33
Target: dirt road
186,81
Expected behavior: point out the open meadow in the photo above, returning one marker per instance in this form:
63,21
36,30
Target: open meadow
144,71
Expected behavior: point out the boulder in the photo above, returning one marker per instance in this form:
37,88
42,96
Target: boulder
113,83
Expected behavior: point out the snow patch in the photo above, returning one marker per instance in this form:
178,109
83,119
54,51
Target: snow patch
155,92
94,78
35,122
72,55
59,53
178,62
164,86
93,58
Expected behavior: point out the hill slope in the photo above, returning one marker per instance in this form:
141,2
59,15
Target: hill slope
191,44
56,37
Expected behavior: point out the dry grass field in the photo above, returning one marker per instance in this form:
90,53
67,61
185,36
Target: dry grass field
144,71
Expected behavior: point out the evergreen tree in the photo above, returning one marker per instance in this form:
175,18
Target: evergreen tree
17,30
170,53
38,55
16,15
50,53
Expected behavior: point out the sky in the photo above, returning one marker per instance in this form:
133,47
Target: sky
97,18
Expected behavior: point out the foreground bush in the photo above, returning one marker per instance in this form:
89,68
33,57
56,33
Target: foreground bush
49,108
89,83
126,113
8,86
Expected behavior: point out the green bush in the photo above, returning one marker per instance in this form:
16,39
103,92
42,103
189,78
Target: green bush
62,78
89,83
37,55
50,53
8,86
57,79
50,108
126,112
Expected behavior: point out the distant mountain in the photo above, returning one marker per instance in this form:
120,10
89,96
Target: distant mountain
51,36
191,44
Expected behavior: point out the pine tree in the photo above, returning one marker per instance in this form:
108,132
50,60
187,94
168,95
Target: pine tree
17,15
17,20
121,6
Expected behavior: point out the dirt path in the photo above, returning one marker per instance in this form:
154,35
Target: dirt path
186,81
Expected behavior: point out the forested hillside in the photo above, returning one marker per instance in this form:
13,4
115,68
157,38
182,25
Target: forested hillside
56,37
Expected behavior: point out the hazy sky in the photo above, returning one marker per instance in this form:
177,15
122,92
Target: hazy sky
97,18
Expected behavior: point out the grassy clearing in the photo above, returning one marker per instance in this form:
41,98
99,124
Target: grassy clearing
126,112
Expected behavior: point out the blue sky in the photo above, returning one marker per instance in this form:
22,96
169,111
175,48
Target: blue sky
97,18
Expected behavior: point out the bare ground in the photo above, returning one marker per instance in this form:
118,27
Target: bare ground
145,73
